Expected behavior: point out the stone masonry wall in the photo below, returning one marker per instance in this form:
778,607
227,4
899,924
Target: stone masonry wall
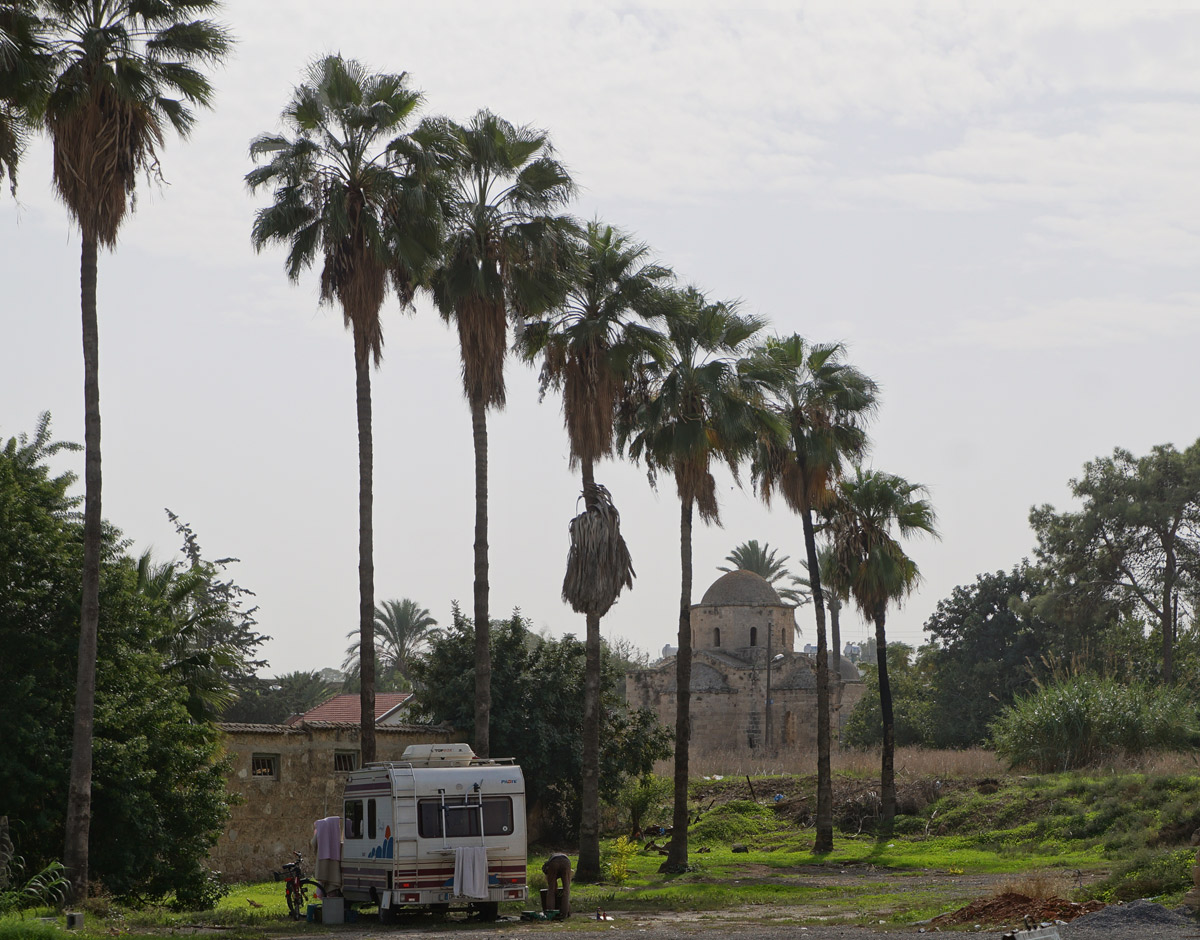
728,706
275,814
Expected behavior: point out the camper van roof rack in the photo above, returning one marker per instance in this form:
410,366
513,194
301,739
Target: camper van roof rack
443,755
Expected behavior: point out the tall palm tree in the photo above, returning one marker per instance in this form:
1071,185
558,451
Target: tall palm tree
402,628
121,73
589,346
350,189
502,256
873,569
700,407
822,402
24,71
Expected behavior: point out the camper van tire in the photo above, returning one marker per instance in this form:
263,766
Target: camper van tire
487,910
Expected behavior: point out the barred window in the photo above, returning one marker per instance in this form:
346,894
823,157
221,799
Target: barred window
264,765
345,761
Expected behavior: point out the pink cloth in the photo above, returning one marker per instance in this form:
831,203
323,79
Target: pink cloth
329,837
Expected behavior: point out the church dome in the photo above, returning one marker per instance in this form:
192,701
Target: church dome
741,588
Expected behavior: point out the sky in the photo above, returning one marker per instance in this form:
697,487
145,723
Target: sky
993,205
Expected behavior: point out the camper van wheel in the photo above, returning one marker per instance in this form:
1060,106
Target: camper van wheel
488,910
439,910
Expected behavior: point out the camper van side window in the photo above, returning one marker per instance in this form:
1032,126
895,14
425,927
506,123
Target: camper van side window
354,819
372,819
464,822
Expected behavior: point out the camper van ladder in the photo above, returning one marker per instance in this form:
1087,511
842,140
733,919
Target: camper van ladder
466,806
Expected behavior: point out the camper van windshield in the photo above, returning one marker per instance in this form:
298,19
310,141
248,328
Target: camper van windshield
462,819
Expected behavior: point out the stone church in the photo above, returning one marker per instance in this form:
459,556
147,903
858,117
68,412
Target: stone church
751,691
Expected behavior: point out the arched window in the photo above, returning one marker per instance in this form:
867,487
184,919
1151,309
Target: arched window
754,636
716,636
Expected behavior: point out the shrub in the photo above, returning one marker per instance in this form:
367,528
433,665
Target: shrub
642,794
614,859
1147,875
1085,719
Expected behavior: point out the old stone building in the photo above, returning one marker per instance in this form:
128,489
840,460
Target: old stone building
287,776
751,691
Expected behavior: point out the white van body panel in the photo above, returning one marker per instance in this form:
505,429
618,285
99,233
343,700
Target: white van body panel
403,821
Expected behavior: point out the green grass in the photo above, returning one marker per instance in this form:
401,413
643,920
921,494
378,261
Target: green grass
1130,828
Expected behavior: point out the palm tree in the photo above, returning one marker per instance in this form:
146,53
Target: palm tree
699,407
763,561
589,345
24,68
351,190
822,401
402,628
121,73
872,568
501,257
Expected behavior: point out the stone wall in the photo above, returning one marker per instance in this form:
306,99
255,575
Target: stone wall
729,628
293,782
728,702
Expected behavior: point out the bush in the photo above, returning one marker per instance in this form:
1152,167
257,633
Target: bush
1082,720
1148,875
642,794
615,856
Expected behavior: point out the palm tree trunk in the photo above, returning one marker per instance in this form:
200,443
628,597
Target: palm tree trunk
824,833
366,555
677,854
79,798
835,634
483,625
588,868
835,658
887,772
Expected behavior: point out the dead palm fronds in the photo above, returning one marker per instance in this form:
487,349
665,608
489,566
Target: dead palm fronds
599,566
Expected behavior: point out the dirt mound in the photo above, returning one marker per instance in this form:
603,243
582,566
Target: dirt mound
1013,908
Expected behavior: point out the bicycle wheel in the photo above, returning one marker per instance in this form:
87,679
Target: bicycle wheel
294,900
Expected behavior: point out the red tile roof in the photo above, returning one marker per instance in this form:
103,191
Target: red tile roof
348,708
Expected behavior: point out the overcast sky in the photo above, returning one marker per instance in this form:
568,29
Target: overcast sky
994,206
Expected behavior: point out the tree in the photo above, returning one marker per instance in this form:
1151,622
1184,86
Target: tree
590,345
402,630
209,641
159,786
915,713
762,560
873,569
353,191
24,67
700,406
822,403
990,647
503,254
539,720
122,73
274,700
1135,542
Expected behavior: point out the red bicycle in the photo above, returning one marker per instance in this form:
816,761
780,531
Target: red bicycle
297,887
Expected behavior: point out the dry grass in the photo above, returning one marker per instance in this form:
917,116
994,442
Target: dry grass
1039,884
910,761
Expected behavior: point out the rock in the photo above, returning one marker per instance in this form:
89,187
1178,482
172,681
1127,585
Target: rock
740,847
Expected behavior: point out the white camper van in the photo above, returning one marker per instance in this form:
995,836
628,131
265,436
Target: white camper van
439,828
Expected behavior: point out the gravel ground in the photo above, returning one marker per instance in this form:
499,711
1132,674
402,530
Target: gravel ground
1138,920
